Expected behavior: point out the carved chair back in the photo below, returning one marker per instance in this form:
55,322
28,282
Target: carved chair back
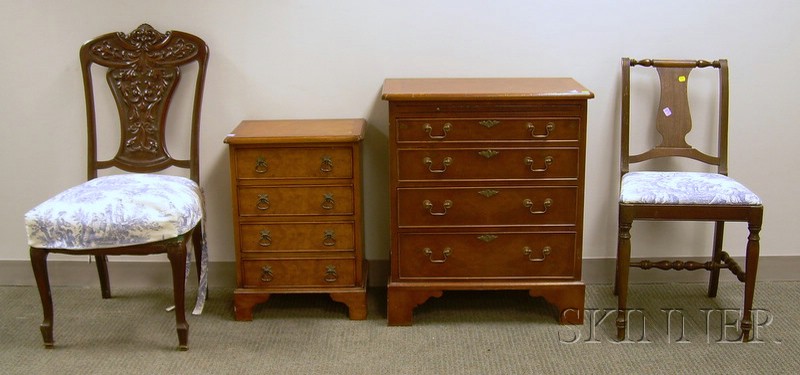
143,70
673,117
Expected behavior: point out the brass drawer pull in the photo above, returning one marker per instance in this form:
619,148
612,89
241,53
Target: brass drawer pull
328,203
548,128
327,164
263,202
548,160
429,206
329,238
445,163
545,252
261,165
266,238
266,274
445,128
529,203
446,253
330,274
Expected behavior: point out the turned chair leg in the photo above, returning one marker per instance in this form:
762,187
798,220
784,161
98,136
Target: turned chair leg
177,259
102,273
39,264
751,268
716,256
623,269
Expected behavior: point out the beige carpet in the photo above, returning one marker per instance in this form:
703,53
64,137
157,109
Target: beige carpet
460,333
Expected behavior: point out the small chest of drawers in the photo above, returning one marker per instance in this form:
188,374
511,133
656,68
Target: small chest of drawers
297,211
487,185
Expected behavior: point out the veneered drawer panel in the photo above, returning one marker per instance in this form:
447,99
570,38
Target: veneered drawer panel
298,273
273,237
488,163
490,255
488,206
295,200
488,129
294,162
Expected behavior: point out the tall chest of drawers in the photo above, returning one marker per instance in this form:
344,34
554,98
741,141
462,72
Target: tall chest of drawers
297,211
487,187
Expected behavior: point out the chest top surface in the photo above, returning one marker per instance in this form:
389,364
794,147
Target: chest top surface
419,89
297,131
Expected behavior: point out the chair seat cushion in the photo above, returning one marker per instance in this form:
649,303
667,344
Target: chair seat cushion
684,188
115,211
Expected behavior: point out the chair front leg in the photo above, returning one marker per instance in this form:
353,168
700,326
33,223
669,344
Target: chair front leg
751,268
176,252
621,279
39,264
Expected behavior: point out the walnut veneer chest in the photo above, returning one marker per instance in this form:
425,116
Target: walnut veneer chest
487,186
297,211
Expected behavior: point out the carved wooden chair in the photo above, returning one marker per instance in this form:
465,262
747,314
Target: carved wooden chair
683,196
139,212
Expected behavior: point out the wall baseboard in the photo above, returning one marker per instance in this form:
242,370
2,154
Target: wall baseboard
223,274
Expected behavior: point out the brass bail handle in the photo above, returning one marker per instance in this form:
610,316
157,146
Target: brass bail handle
548,161
428,205
445,163
445,253
548,129
427,128
545,252
546,204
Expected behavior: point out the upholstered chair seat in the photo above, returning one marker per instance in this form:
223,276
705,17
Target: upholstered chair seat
116,211
649,187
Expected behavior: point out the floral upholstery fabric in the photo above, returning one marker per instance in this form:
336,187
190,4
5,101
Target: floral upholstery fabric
116,211
684,188
120,210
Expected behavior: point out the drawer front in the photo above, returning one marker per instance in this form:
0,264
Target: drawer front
276,237
488,129
470,255
298,273
295,200
488,163
293,162
490,206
